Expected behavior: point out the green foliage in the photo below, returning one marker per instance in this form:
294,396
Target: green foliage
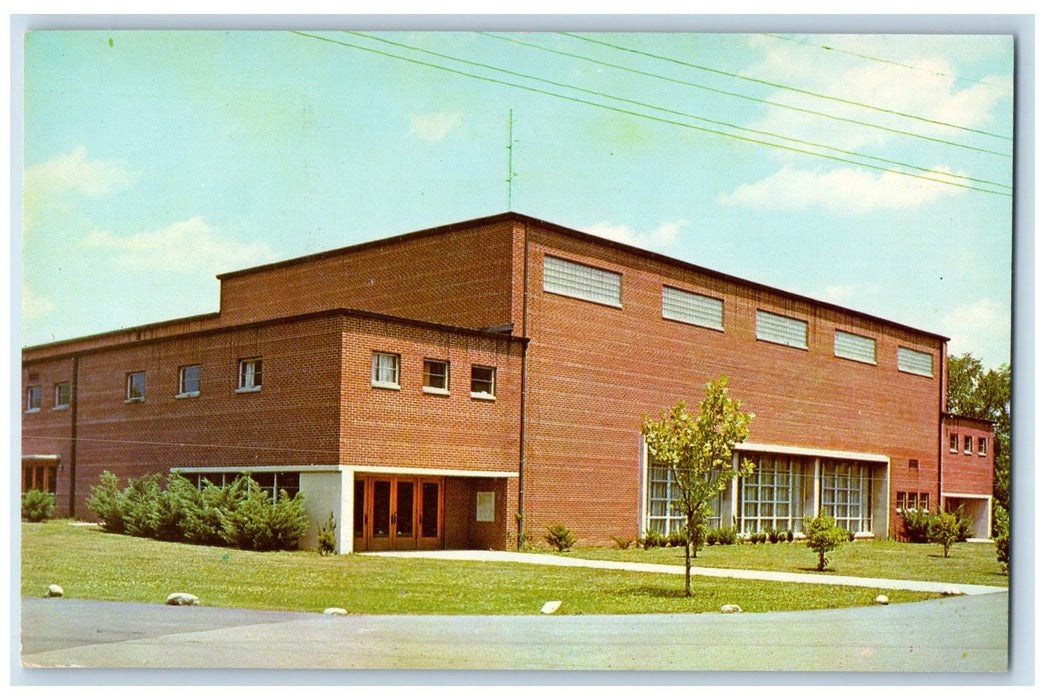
773,535
326,542
37,505
678,539
722,535
1001,537
697,451
916,525
559,537
241,514
106,503
943,530
790,536
622,542
654,539
823,536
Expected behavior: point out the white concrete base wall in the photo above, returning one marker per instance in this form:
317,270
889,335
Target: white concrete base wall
322,491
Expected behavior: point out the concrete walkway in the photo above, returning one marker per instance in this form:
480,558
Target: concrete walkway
822,579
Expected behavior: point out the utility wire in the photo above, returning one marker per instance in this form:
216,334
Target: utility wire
801,109
645,116
877,59
670,111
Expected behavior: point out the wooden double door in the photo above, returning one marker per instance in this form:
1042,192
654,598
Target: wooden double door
398,512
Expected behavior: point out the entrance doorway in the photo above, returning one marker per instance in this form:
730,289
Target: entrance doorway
397,512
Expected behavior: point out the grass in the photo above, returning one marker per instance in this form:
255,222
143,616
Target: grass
973,563
92,564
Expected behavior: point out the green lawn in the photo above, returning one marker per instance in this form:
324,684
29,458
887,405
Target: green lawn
90,563
968,562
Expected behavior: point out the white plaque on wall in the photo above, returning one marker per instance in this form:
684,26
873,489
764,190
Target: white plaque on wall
484,506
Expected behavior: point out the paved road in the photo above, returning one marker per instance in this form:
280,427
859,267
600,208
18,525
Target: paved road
965,633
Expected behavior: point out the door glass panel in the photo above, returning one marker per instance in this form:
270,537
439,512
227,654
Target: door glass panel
358,508
429,509
404,508
382,510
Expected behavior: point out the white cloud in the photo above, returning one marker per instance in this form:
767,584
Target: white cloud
435,125
658,238
34,306
842,190
184,246
982,328
73,172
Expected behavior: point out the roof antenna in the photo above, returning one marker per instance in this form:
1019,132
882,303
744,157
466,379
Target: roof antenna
511,173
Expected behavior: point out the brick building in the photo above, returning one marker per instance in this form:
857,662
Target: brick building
430,387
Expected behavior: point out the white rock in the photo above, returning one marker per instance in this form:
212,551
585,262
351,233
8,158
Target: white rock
551,606
730,609
55,591
182,599
335,611
951,591
882,600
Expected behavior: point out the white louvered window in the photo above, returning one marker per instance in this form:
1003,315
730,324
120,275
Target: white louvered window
781,329
688,307
914,362
581,281
855,347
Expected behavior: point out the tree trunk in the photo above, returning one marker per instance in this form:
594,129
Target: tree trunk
689,593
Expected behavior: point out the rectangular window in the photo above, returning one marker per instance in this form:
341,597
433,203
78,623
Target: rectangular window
32,399
912,464
483,382
384,370
661,492
912,500
136,386
845,494
436,377
688,307
249,375
771,496
581,281
968,444
854,347
189,381
62,394
914,362
954,443
982,451
781,329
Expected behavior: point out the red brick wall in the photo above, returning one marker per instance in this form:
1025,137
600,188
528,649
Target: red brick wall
458,278
967,473
594,370
460,528
49,430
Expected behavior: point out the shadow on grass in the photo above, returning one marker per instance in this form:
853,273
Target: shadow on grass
655,592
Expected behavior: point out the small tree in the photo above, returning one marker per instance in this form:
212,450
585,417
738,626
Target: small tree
37,505
697,451
1001,538
944,530
823,536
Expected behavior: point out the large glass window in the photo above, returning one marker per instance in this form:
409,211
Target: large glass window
775,328
687,307
581,281
661,491
771,496
845,494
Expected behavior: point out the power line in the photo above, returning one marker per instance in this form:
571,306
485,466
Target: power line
685,114
877,59
802,109
645,116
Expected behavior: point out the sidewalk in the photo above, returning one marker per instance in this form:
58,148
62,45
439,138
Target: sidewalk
822,579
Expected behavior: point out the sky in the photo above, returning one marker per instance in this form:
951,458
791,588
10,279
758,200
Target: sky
870,171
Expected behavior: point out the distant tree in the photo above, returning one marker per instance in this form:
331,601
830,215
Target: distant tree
697,450
986,394
823,536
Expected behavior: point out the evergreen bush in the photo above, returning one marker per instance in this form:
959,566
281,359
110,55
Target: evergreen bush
1001,536
559,537
106,502
326,542
37,505
916,525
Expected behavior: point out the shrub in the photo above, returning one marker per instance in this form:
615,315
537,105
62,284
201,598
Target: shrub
964,524
677,538
37,505
622,542
851,535
916,525
138,505
824,536
944,530
106,502
790,536
653,539
727,535
325,541
1001,536
559,537
174,509
774,536
259,524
